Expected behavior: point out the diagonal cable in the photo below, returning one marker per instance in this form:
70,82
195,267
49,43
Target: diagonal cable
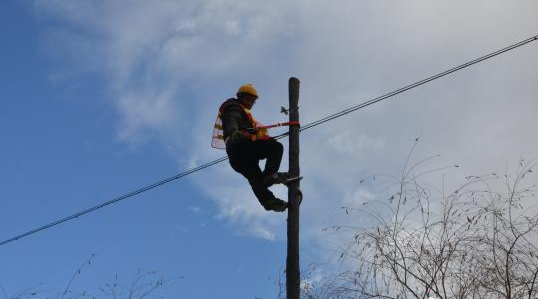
120,198
306,127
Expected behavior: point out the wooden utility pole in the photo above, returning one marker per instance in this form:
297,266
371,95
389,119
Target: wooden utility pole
293,273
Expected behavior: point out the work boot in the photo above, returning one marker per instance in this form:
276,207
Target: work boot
276,178
275,204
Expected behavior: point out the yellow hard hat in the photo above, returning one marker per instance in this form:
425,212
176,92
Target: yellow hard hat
247,88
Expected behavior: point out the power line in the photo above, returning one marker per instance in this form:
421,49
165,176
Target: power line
141,190
306,127
416,84
411,86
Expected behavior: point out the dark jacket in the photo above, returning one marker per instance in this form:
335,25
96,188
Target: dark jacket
234,120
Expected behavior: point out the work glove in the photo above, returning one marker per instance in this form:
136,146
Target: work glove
252,130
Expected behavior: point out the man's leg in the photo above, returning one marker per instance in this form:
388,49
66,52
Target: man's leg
266,198
271,150
248,166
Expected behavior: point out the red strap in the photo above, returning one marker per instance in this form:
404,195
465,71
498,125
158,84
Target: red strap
290,123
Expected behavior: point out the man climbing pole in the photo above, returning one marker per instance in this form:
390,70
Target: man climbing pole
246,143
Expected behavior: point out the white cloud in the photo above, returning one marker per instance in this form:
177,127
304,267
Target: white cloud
171,63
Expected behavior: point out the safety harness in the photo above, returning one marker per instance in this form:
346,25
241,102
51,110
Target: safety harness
257,132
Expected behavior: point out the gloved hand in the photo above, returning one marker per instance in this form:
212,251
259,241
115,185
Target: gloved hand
252,130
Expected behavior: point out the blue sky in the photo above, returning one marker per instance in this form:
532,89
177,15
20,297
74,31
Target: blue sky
103,97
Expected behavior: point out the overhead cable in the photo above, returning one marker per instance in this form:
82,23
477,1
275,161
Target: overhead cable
416,84
303,128
141,190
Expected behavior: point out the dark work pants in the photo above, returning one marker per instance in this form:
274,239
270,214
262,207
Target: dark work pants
245,157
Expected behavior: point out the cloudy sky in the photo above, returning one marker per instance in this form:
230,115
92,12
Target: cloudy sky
103,97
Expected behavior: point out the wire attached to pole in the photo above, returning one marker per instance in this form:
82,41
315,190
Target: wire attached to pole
308,126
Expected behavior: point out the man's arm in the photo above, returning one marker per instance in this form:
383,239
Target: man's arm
232,117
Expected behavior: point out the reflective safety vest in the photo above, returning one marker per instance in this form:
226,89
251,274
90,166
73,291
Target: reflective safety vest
217,141
259,132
